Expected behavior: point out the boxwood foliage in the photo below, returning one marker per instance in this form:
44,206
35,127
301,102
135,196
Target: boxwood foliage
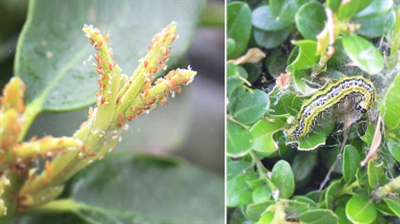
347,169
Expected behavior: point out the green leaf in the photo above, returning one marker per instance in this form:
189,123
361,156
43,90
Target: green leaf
351,163
262,132
270,39
376,8
310,20
238,27
263,19
341,214
238,192
284,9
296,207
333,5
261,194
351,8
151,186
375,173
52,47
254,210
317,216
251,106
317,137
394,205
363,53
307,56
360,210
391,105
276,63
235,77
235,168
330,193
230,46
394,148
239,140
266,217
301,79
376,26
282,177
369,134
306,200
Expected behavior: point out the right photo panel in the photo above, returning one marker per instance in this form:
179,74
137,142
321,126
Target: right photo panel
312,112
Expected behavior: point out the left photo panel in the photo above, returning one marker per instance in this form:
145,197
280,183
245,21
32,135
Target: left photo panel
112,111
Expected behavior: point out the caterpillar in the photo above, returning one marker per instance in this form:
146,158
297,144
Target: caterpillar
358,88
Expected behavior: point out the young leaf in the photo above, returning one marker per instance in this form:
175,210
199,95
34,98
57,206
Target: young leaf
310,19
363,53
282,177
239,140
351,162
251,107
238,27
360,210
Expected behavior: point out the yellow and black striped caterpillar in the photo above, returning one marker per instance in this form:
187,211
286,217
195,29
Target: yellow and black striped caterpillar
356,87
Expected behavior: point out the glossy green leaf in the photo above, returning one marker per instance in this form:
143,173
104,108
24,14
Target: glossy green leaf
251,106
282,177
376,8
239,140
263,19
270,39
310,20
317,137
238,192
52,46
333,5
230,46
131,184
267,217
238,27
235,168
262,132
369,134
301,81
360,210
391,105
341,214
261,194
234,98
254,210
317,216
284,9
253,70
363,53
375,173
351,8
351,162
307,55
296,207
394,205
253,184
305,200
276,63
376,26
394,148
330,193
235,77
